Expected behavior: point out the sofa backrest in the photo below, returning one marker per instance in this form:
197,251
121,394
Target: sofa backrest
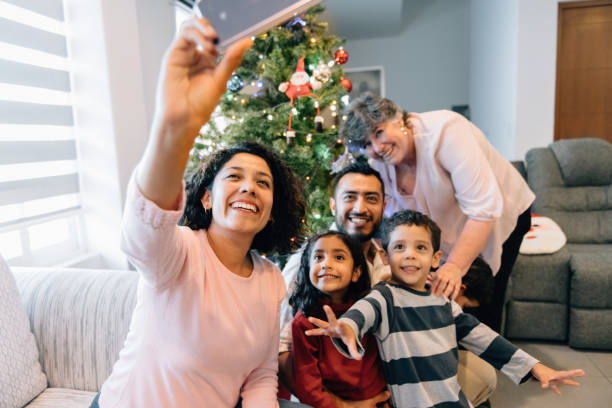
80,319
519,165
572,180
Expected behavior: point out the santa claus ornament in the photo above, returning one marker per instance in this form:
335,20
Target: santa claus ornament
298,86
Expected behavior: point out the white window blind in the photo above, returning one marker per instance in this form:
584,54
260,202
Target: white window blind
39,188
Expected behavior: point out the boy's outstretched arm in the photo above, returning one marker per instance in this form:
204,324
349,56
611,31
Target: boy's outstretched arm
552,378
337,329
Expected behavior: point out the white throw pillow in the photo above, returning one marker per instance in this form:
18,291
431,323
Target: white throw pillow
544,237
21,378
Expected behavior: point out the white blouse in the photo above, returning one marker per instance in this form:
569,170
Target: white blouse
459,175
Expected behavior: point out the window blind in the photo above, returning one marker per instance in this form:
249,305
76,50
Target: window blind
38,170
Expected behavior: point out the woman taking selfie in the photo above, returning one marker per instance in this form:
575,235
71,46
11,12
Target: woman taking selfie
205,328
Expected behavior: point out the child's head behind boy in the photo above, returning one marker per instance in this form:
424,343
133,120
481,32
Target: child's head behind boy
412,242
332,267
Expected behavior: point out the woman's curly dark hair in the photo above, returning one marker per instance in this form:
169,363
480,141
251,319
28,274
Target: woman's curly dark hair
285,232
306,297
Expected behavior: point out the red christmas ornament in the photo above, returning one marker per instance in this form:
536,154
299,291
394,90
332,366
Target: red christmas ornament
341,56
346,83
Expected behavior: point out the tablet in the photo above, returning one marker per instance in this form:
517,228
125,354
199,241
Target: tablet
236,19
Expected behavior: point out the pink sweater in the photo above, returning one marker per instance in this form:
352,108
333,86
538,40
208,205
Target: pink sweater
200,336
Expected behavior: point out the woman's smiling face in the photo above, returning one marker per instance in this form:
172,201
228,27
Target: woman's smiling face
242,195
391,142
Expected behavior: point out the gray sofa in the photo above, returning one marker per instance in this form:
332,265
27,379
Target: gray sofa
567,295
80,318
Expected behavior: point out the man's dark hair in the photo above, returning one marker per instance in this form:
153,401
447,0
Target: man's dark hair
360,167
306,297
285,231
410,217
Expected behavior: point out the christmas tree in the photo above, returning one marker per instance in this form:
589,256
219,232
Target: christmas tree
288,94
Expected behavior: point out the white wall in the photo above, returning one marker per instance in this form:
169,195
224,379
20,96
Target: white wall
497,55
520,70
116,47
426,65
493,64
536,73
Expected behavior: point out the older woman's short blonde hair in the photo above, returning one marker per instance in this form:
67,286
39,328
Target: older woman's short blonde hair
364,114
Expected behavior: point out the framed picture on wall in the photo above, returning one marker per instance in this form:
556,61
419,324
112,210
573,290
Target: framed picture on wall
366,79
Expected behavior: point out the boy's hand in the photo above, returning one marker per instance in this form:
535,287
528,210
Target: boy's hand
551,378
334,328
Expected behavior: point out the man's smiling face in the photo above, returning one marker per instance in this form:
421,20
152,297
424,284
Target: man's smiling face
358,205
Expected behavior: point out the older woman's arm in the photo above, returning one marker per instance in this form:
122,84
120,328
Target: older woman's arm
468,246
190,85
477,193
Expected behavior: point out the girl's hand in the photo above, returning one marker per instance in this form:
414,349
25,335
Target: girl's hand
191,82
334,328
552,378
447,281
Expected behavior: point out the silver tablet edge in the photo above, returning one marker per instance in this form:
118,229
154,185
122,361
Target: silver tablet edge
266,24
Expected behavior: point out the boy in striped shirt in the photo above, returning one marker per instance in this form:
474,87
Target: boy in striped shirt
418,333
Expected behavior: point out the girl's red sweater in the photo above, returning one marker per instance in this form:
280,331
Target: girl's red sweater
318,367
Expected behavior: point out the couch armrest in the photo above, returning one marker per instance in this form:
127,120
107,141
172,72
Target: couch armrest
80,318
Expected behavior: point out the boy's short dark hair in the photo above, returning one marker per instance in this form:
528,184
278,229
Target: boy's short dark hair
410,217
360,167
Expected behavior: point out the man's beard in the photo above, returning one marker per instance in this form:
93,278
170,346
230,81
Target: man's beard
355,235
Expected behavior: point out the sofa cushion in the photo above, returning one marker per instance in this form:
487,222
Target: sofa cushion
536,320
584,162
21,378
80,319
591,284
542,278
590,328
577,199
542,171
584,213
589,248
589,227
64,398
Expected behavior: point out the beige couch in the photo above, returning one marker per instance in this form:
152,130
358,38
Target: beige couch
80,318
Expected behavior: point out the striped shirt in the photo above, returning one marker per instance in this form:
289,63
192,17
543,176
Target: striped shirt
418,335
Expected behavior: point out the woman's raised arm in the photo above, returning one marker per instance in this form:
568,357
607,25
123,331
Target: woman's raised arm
189,87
